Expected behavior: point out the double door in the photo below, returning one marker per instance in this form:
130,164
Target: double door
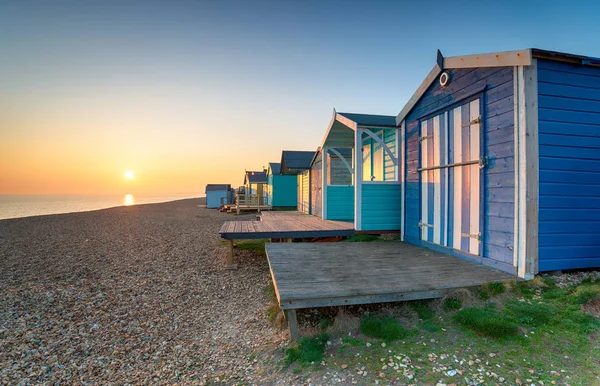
450,171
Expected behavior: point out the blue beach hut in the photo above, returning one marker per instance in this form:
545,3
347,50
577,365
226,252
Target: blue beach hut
501,160
297,163
217,194
370,197
282,189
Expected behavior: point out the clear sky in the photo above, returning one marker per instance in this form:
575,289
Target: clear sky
185,93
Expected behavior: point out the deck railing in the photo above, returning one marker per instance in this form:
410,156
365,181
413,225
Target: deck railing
250,201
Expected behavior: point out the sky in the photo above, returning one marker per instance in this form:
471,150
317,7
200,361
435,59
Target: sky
186,93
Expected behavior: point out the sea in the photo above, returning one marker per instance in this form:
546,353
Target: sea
15,206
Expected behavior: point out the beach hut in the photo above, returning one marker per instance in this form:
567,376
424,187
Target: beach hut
371,200
298,163
282,189
338,175
217,195
255,189
501,156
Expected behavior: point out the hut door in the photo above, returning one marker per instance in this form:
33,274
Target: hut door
450,178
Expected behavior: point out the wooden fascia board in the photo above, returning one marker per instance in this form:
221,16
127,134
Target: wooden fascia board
433,74
494,59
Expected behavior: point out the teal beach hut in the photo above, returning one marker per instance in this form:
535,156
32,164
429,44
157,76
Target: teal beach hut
282,189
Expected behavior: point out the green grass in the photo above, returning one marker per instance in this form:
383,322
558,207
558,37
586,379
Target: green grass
257,246
422,309
508,336
361,238
583,294
307,350
325,323
486,322
529,314
495,289
386,328
451,304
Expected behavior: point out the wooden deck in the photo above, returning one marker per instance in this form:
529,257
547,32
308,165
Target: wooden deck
285,225
308,275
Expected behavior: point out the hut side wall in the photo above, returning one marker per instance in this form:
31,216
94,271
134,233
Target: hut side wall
316,194
495,88
569,166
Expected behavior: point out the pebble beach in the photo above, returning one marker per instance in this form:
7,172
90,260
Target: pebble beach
131,295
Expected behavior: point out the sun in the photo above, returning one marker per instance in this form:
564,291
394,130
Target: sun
129,175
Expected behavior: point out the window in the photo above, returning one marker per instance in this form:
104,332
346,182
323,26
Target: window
378,164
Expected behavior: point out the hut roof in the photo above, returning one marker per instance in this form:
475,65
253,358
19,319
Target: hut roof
255,177
275,168
217,187
294,161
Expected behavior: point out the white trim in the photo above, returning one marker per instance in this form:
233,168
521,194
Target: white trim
493,59
383,145
522,171
527,168
381,182
517,143
446,177
432,76
348,166
458,157
402,179
324,183
358,179
475,171
346,121
424,181
437,194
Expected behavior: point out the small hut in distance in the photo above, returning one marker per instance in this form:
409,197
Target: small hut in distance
282,189
217,195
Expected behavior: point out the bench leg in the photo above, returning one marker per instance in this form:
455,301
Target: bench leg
290,316
230,264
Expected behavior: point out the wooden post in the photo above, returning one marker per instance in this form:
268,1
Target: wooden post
230,264
290,316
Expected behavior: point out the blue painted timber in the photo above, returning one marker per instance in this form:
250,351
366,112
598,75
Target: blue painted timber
380,206
283,190
494,87
569,166
340,203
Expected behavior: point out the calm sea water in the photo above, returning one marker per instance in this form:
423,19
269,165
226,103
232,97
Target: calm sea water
13,206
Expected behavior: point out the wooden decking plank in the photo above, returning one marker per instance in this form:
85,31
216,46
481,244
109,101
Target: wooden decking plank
344,272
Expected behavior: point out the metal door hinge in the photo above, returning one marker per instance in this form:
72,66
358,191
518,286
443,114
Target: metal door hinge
483,162
423,138
425,225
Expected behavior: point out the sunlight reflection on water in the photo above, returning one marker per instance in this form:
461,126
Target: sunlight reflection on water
128,200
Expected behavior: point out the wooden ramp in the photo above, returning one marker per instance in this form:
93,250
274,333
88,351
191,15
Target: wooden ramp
294,224
308,275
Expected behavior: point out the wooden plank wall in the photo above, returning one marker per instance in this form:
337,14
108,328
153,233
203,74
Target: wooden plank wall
496,87
317,185
569,166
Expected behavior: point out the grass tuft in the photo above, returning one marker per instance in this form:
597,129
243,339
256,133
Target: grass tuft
529,314
422,309
451,304
362,238
257,246
486,322
307,350
583,295
495,289
382,327
325,323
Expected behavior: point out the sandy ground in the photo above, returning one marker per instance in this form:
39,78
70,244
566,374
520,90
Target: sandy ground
135,295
